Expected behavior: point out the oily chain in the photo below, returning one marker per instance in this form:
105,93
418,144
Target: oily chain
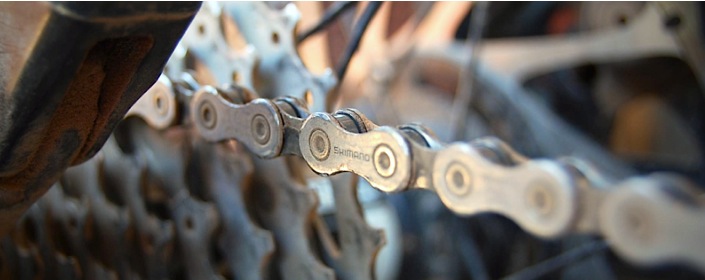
647,219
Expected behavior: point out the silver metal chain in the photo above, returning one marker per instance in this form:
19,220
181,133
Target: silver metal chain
647,219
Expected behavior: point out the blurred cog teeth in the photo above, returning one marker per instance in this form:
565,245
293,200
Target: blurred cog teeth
280,71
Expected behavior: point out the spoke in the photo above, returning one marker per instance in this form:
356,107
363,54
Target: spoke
331,15
464,91
358,32
471,255
574,255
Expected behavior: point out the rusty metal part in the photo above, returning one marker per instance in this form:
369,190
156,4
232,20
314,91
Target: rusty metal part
67,83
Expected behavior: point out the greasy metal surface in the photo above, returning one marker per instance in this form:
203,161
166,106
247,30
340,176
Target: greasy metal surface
88,64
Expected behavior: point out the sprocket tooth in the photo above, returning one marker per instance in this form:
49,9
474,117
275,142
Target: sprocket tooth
281,71
69,218
226,66
166,154
246,247
151,238
106,223
290,16
285,208
27,252
354,256
195,223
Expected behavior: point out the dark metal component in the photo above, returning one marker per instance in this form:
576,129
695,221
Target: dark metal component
244,245
466,84
285,208
358,243
358,32
124,214
88,64
555,263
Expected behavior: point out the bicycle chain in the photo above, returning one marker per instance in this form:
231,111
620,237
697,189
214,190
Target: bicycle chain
646,219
